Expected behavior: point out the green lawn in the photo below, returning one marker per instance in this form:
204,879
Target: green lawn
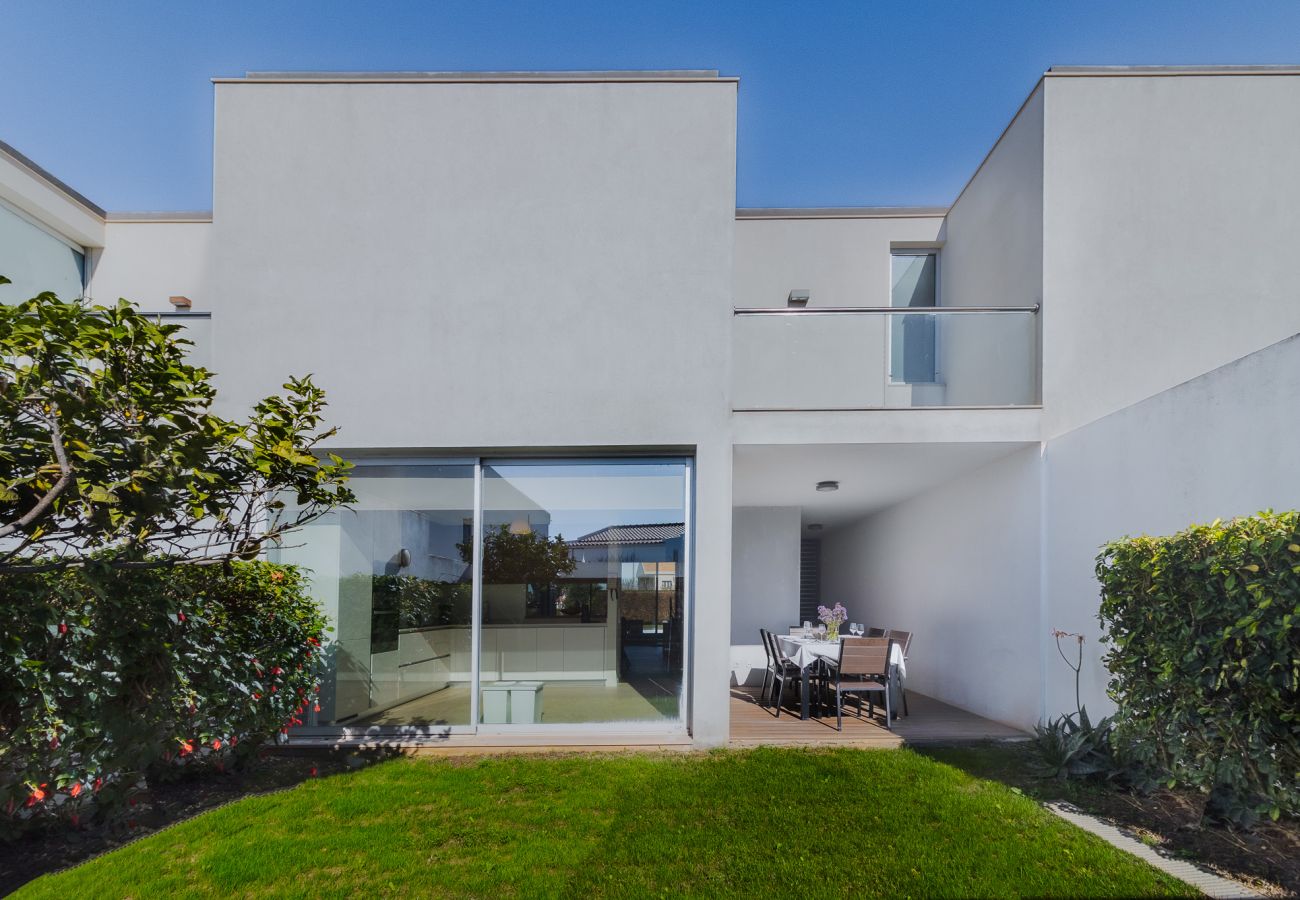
768,822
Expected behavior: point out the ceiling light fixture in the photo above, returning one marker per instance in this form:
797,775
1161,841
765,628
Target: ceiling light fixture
827,486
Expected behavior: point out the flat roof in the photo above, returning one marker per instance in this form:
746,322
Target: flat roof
843,212
564,77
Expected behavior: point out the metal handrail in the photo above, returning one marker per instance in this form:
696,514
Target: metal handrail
887,310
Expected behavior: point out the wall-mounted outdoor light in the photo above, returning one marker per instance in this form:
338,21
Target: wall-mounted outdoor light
828,486
798,298
403,558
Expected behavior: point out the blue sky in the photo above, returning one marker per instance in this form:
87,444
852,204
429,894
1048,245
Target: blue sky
840,103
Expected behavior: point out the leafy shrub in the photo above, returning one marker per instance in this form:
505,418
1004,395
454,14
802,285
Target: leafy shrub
1204,656
110,678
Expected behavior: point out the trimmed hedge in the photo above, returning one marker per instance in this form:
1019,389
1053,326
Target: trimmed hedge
112,678
1203,630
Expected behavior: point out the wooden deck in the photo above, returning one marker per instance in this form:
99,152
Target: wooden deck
752,725
930,722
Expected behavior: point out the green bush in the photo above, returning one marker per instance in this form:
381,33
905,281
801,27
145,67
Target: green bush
112,678
1203,630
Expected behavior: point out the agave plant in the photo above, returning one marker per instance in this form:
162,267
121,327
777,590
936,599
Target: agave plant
1071,746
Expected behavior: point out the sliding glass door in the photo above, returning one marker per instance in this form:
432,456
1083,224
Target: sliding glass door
394,575
575,616
583,588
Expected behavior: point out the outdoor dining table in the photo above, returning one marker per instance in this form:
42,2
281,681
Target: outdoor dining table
803,652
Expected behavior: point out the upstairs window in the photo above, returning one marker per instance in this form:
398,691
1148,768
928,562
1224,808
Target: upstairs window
914,281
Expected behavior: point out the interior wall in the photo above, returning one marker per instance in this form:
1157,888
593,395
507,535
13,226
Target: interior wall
958,566
1219,446
764,581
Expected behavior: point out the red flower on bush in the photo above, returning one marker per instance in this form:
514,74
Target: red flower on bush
312,772
186,748
63,628
180,617
74,790
216,745
36,796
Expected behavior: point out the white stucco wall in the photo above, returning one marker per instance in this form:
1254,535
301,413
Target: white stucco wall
818,361
958,566
842,261
1169,231
147,262
1219,446
503,267
993,256
764,581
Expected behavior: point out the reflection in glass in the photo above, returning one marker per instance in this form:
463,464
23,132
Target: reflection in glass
582,591
913,278
35,261
393,574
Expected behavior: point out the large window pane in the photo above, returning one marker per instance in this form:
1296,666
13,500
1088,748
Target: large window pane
394,574
36,261
583,585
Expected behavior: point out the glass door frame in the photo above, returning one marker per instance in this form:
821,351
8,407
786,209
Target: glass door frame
679,725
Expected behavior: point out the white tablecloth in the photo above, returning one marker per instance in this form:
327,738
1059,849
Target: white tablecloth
803,651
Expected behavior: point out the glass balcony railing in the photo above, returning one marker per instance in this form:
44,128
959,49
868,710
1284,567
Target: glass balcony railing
831,358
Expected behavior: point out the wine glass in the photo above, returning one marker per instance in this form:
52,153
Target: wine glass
857,629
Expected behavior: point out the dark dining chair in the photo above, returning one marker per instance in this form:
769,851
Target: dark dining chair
770,671
784,669
904,640
875,632
863,668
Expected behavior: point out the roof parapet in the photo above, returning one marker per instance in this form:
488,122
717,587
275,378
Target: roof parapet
1166,71
592,77
843,212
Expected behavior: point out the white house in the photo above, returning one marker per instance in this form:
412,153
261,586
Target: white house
545,329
